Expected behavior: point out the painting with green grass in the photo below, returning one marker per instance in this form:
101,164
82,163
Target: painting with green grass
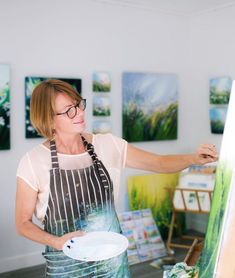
101,82
30,84
220,89
148,191
4,107
218,255
150,106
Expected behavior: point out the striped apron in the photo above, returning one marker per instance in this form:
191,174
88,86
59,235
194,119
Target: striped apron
81,199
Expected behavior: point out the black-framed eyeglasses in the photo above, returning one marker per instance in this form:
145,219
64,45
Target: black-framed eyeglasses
72,111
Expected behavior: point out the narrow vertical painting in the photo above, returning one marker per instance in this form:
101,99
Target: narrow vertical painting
4,107
150,106
218,255
30,84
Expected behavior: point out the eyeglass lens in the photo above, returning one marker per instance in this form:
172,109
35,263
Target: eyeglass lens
72,112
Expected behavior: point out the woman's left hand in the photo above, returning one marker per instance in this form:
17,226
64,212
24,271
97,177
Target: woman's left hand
205,153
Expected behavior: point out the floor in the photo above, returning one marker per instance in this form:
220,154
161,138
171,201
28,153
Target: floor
141,270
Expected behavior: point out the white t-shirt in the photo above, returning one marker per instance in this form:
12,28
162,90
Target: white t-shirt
35,165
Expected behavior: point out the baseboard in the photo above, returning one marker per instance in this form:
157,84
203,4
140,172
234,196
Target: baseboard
18,262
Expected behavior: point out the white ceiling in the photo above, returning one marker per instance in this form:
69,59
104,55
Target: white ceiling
178,7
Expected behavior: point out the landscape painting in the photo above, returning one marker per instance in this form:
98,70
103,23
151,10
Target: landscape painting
4,107
217,119
102,127
101,82
30,84
220,89
150,106
218,255
101,106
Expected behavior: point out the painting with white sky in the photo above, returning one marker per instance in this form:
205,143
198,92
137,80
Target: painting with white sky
150,106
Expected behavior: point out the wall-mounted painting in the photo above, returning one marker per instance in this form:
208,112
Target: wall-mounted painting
150,106
101,82
101,106
4,107
101,127
217,118
148,191
218,255
30,84
220,89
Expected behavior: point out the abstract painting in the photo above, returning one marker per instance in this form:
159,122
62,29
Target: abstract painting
150,106
30,84
101,82
218,255
220,89
101,106
4,107
148,191
217,119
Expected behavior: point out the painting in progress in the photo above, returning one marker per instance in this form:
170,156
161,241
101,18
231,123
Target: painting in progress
4,107
218,256
150,106
30,84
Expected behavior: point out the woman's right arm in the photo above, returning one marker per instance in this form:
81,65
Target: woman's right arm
26,199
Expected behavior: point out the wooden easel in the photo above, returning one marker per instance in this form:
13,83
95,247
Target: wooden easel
175,210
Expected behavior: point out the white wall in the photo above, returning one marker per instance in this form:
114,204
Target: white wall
73,38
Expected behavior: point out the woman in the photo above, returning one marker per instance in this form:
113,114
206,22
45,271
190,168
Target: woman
67,180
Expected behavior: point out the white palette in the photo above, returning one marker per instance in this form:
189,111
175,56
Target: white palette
96,246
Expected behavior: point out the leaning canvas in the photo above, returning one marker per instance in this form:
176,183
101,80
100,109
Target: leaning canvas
218,256
4,107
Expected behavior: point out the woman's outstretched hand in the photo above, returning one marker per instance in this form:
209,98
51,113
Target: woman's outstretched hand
60,241
205,153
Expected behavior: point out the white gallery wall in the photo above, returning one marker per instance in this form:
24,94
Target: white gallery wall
73,38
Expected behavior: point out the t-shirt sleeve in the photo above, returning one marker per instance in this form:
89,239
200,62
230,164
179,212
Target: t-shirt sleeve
111,150
26,173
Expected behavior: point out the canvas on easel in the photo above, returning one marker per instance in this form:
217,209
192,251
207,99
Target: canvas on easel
218,255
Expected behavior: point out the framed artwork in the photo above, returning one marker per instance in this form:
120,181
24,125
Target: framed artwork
150,106
101,82
148,191
220,89
4,107
217,119
101,106
30,84
145,242
218,255
101,127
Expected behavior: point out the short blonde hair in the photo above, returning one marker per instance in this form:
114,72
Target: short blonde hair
42,104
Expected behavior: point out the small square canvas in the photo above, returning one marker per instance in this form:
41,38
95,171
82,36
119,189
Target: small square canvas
101,82
101,127
30,84
220,89
217,119
101,106
150,106
4,107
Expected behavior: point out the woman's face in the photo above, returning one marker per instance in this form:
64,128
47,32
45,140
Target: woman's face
62,123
